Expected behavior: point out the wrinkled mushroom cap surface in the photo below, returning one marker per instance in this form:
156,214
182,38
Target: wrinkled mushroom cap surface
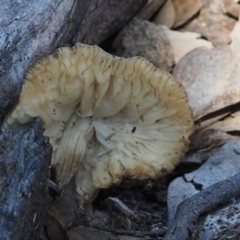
106,117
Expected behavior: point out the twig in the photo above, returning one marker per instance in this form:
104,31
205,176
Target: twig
208,199
54,188
156,233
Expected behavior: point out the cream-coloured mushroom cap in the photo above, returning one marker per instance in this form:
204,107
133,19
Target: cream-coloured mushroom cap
106,117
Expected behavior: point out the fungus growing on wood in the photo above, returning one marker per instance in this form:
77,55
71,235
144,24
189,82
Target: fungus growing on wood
106,117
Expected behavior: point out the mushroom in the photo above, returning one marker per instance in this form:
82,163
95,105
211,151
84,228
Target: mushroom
106,117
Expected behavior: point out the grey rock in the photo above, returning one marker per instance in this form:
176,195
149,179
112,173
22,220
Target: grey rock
223,164
145,39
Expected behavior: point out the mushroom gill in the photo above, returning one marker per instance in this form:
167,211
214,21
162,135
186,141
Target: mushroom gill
106,117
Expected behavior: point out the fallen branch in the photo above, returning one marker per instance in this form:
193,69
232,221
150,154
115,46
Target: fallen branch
208,199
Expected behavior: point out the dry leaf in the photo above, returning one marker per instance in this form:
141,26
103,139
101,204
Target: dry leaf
184,42
235,37
67,206
230,124
55,227
211,79
149,9
211,119
231,7
166,16
185,9
83,233
212,23
206,141
209,138
176,12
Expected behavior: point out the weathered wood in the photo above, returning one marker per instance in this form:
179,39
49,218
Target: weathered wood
32,29
25,157
208,199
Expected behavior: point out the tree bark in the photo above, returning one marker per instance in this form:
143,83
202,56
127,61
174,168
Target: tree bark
25,157
32,29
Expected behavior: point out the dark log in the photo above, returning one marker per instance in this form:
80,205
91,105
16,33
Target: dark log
25,157
32,29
